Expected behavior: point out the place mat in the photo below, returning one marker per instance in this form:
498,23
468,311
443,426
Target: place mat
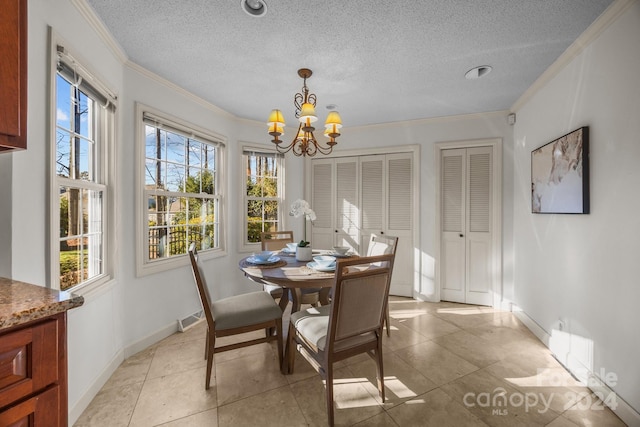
279,263
316,273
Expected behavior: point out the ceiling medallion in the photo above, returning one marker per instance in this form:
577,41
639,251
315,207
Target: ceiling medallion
305,143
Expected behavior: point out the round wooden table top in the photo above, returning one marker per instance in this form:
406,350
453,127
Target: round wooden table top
287,272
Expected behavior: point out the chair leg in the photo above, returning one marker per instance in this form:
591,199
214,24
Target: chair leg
289,351
206,344
280,343
329,392
210,353
388,320
380,367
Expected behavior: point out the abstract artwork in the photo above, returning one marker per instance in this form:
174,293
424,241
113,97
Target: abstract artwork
560,175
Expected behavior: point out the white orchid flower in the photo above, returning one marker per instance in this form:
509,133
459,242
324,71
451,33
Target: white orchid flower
301,207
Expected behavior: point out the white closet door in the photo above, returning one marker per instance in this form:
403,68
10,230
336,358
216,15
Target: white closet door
479,237
347,232
453,263
322,196
399,214
373,188
466,235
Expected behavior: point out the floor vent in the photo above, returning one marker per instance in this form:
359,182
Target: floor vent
190,321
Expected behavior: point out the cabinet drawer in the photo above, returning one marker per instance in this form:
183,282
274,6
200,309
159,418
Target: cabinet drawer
39,411
28,361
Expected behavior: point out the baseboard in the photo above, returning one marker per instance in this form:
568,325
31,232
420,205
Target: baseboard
84,401
622,409
151,339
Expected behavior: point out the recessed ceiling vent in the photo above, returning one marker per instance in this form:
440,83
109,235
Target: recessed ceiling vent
477,72
255,8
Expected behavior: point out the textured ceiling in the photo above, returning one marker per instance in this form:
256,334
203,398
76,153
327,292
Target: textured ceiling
378,60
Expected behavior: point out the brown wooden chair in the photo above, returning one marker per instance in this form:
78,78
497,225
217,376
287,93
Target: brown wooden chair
235,315
384,245
275,241
350,325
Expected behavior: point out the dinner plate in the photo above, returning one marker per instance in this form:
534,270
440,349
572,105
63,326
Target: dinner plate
314,265
271,260
337,255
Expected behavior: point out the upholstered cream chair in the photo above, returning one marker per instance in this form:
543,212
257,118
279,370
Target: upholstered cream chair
350,325
383,245
235,315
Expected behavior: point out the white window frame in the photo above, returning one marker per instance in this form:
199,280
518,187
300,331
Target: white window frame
244,147
144,266
104,164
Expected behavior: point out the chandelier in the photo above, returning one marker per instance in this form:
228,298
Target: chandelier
305,143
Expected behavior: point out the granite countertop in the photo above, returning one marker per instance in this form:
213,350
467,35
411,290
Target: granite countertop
22,302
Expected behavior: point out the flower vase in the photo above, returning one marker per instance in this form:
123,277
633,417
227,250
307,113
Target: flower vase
304,253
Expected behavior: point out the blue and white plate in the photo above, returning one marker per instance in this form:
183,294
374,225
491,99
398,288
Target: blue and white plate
256,261
314,265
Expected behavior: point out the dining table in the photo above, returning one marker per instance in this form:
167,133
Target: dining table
283,269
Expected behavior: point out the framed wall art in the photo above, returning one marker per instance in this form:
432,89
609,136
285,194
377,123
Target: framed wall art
560,175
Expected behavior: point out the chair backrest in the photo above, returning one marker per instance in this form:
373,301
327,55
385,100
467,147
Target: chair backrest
275,240
382,245
359,299
201,284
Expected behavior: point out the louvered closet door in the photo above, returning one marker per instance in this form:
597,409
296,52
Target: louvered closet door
387,208
347,203
322,196
466,216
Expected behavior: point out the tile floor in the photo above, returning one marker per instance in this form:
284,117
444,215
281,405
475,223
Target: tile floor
445,364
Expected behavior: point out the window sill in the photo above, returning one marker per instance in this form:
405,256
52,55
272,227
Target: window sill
148,268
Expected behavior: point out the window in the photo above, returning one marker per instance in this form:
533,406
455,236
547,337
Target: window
83,138
263,192
182,182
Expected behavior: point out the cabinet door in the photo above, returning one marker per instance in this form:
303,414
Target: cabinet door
29,361
13,74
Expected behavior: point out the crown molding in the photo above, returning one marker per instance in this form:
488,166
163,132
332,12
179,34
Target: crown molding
598,26
441,119
103,32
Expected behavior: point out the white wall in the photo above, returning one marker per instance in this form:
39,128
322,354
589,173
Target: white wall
584,269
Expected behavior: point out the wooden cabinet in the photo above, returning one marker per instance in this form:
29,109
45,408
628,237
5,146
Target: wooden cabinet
33,374
13,75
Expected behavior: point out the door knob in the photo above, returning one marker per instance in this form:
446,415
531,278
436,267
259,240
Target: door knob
461,235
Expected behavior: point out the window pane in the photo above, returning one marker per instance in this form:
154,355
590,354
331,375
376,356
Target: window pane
63,153
154,143
83,120
175,177
193,149
271,210
81,252
63,107
154,174
175,148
